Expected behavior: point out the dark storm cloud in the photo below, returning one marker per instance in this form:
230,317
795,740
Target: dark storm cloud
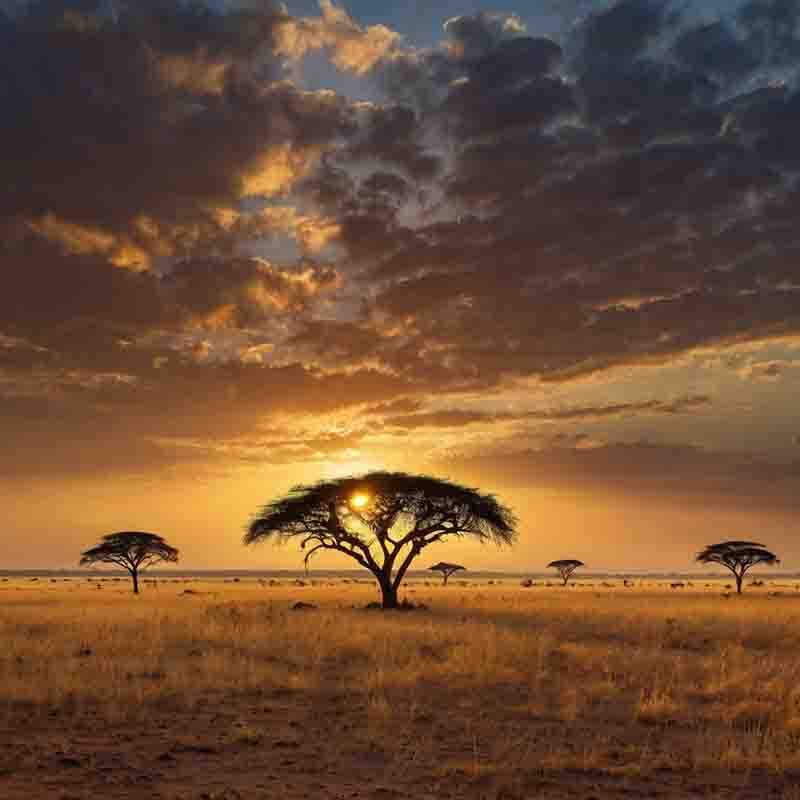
142,122
392,135
479,111
505,85
771,30
472,38
622,31
517,207
131,134
622,201
90,367
81,311
716,49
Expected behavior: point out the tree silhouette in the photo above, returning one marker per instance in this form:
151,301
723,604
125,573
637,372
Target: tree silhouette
565,567
382,520
446,569
738,557
131,550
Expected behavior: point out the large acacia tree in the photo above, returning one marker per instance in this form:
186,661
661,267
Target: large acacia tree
382,520
738,557
132,551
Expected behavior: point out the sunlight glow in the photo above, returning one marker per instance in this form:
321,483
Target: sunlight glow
359,500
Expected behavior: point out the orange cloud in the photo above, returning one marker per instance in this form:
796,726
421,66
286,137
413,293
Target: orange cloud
352,48
314,233
77,239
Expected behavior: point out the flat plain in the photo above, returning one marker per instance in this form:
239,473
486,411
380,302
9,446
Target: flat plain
221,691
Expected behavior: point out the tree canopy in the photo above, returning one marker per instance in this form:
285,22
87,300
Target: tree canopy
738,557
382,520
565,567
132,551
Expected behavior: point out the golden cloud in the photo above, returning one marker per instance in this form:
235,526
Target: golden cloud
352,48
279,169
255,353
313,233
287,291
76,239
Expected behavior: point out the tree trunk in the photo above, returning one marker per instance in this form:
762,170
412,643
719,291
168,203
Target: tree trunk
388,591
565,578
739,583
445,576
135,576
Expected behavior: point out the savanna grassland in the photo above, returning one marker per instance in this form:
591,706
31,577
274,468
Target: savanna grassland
221,691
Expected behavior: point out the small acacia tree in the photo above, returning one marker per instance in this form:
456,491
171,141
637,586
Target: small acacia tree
131,550
446,569
565,567
382,520
738,557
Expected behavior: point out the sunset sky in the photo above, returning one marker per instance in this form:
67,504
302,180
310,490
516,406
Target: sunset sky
548,249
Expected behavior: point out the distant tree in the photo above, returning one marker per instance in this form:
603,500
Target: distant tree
382,520
131,550
738,557
565,567
446,569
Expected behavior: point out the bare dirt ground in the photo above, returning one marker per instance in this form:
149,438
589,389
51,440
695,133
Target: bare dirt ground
221,691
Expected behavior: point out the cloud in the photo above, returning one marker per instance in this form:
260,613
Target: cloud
621,31
511,85
312,232
771,370
240,291
77,239
394,136
78,418
149,123
403,405
675,473
504,207
351,47
470,38
454,418
617,199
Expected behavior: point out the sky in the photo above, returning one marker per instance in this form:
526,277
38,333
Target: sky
548,250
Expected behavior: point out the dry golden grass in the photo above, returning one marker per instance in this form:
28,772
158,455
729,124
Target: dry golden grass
494,691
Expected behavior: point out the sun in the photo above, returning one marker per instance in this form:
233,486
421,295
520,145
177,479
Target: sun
359,500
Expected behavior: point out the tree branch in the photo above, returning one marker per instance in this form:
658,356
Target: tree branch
412,554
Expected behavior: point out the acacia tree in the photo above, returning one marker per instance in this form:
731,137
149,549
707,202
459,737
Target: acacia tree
382,520
131,550
565,567
738,557
446,569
